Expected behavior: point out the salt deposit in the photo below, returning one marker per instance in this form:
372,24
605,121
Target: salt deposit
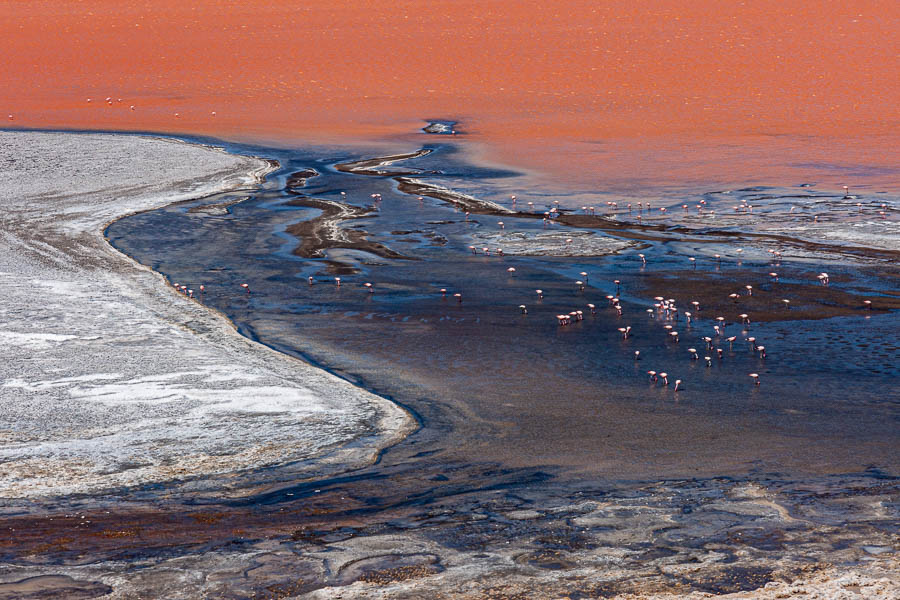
109,377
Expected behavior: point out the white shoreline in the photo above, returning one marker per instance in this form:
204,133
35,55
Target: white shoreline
110,378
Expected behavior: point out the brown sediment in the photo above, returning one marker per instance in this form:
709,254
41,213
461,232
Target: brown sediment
370,166
216,209
299,178
324,231
712,290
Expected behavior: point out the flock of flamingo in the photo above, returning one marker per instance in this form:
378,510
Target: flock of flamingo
664,310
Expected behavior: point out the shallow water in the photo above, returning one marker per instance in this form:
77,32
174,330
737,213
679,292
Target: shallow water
494,386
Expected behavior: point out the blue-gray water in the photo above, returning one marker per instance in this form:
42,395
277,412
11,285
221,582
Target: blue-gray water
492,386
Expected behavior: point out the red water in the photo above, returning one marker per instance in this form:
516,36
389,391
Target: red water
617,92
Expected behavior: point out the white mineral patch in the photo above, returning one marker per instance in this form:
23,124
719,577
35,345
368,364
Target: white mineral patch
108,377
867,220
550,243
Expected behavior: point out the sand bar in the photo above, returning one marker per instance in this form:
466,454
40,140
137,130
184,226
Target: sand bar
108,377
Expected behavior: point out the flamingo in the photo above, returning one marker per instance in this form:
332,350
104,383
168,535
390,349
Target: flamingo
694,355
246,286
337,281
755,377
677,383
523,309
665,378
